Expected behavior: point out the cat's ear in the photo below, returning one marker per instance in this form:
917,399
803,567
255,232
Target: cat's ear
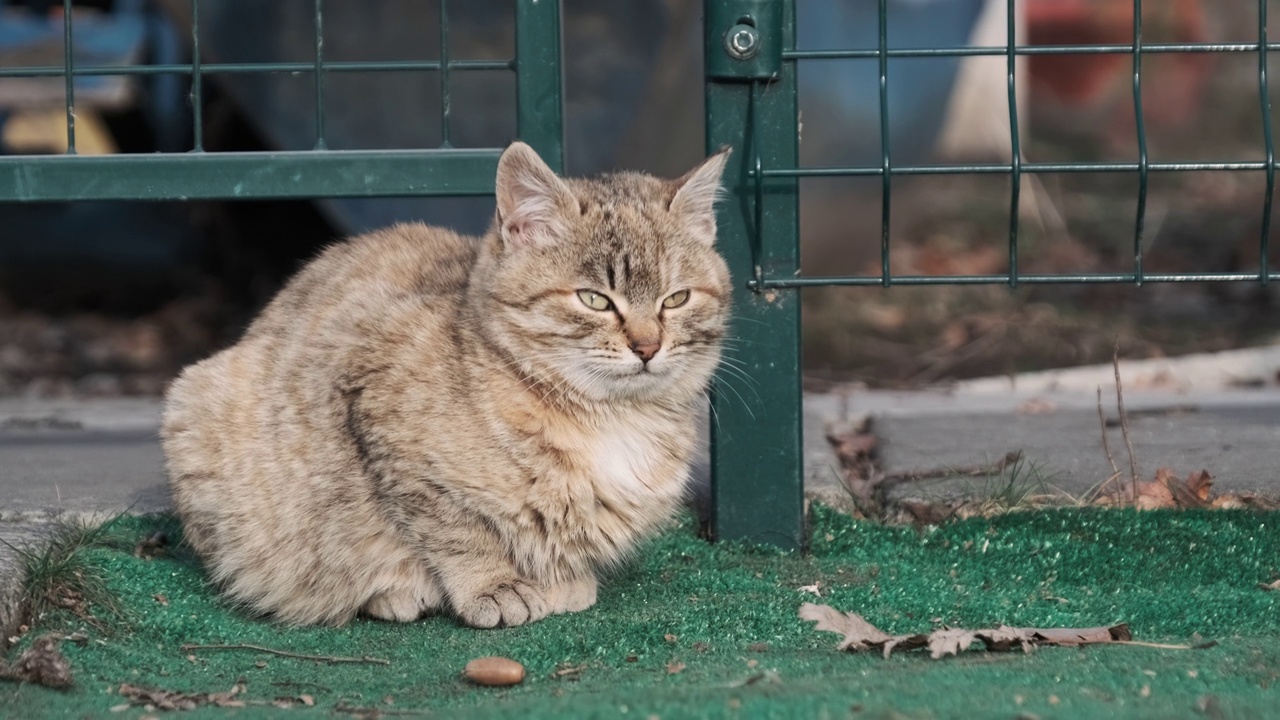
532,201
697,192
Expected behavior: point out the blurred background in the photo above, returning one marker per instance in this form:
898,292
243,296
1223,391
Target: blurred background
114,298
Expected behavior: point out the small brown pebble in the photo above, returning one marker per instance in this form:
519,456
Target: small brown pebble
494,671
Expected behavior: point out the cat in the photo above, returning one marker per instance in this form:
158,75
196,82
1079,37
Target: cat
425,422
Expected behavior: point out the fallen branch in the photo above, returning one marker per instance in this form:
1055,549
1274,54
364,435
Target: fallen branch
985,470
1164,646
283,653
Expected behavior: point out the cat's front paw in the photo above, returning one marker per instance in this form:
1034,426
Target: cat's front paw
509,604
573,595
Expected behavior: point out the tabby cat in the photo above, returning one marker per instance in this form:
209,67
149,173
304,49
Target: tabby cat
422,421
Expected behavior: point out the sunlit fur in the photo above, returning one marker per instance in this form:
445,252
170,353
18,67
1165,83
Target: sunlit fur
424,421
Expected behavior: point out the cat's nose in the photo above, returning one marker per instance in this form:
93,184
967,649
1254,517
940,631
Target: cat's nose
645,350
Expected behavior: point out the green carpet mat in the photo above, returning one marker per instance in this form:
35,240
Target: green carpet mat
696,630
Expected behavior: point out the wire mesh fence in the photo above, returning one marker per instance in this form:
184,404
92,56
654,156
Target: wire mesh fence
316,172
1143,167
752,105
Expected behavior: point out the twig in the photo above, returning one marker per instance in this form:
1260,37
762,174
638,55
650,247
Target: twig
1102,424
1163,646
283,653
1106,448
962,471
1124,421
367,712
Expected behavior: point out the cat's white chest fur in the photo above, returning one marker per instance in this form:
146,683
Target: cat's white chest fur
626,460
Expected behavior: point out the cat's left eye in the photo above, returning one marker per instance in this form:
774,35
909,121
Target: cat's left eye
594,300
676,299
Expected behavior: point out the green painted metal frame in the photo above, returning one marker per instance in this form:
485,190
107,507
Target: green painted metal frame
305,174
757,464
757,494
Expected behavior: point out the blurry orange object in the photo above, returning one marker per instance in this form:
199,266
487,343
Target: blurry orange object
1087,79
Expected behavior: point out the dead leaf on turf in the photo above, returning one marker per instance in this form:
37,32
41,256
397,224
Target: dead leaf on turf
815,588
41,664
860,635
950,641
1273,586
173,700
675,667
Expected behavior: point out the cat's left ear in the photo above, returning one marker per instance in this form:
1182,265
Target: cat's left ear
533,203
697,192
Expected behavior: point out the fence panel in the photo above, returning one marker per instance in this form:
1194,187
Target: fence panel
751,60
310,173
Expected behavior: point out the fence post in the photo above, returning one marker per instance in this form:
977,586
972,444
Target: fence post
539,79
757,477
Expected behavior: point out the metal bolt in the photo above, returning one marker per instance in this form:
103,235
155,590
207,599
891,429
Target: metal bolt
742,42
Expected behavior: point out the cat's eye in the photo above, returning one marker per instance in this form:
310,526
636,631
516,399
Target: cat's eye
676,299
594,300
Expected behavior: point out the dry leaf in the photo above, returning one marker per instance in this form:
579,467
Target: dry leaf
675,667
1274,586
41,664
671,639
815,588
171,700
854,447
1005,638
152,546
950,641
161,599
1036,406
1230,501
860,635
1200,482
1156,494
1167,490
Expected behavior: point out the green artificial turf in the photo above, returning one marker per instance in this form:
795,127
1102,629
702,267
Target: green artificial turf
724,616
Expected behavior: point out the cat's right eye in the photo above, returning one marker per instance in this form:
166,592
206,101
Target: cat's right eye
594,300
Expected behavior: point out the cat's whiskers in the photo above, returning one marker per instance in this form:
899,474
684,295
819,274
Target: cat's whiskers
715,416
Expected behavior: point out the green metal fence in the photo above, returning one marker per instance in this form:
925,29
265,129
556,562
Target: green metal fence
751,60
315,173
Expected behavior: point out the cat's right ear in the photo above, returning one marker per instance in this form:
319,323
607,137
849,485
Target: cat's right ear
533,203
